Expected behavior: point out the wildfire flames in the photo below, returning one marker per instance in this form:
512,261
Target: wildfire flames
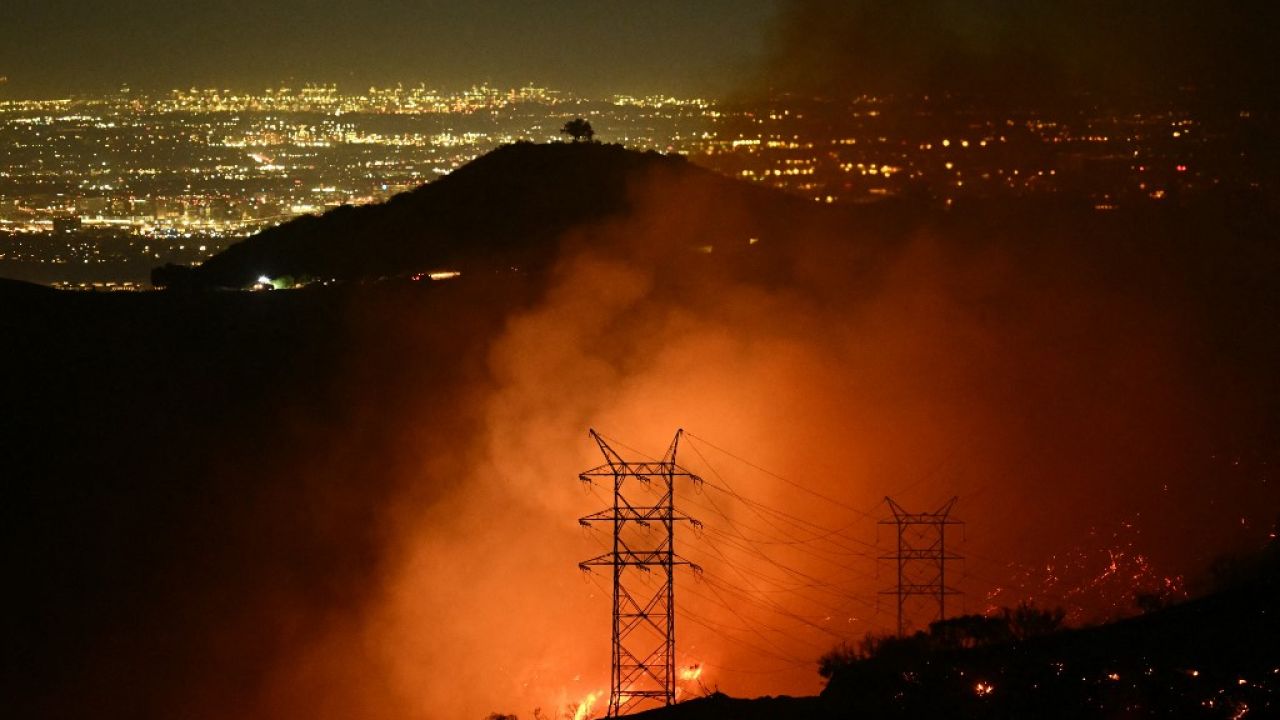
1100,577
583,710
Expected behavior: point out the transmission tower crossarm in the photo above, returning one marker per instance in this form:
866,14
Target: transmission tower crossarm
643,471
610,456
670,456
637,558
642,516
896,509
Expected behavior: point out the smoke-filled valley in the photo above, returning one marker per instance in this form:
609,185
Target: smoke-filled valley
361,499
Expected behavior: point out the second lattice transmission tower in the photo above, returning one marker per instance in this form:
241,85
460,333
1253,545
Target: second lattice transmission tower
921,558
643,562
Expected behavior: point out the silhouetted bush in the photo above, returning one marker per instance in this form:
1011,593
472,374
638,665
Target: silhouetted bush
175,277
579,129
967,631
952,634
1028,621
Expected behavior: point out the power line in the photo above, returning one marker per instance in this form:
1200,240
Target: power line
800,544
794,545
767,557
743,571
807,580
799,486
721,631
757,507
716,582
752,627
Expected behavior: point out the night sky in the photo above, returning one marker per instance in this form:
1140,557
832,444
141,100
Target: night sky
999,48
55,46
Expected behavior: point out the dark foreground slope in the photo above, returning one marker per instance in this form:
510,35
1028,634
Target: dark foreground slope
1214,657
507,209
194,487
1209,657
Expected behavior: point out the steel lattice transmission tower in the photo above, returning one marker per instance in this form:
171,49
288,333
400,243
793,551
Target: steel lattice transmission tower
644,623
921,557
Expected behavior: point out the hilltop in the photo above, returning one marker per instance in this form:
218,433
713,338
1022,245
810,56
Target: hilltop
17,289
506,210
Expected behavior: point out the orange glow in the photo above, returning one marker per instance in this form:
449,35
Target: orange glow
886,393
583,711
929,382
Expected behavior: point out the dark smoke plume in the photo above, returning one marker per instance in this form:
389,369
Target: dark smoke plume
1027,52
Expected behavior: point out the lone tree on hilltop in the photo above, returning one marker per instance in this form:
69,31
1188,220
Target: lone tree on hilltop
579,129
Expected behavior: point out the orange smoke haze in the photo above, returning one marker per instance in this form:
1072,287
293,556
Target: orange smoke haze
1053,385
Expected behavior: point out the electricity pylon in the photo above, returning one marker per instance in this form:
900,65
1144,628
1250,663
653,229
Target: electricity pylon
644,623
921,557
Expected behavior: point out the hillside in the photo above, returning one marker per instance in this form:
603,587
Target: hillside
210,496
1197,659
508,209
1210,657
14,290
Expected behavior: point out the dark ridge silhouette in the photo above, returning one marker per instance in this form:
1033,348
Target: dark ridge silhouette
1203,658
16,289
719,705
503,210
